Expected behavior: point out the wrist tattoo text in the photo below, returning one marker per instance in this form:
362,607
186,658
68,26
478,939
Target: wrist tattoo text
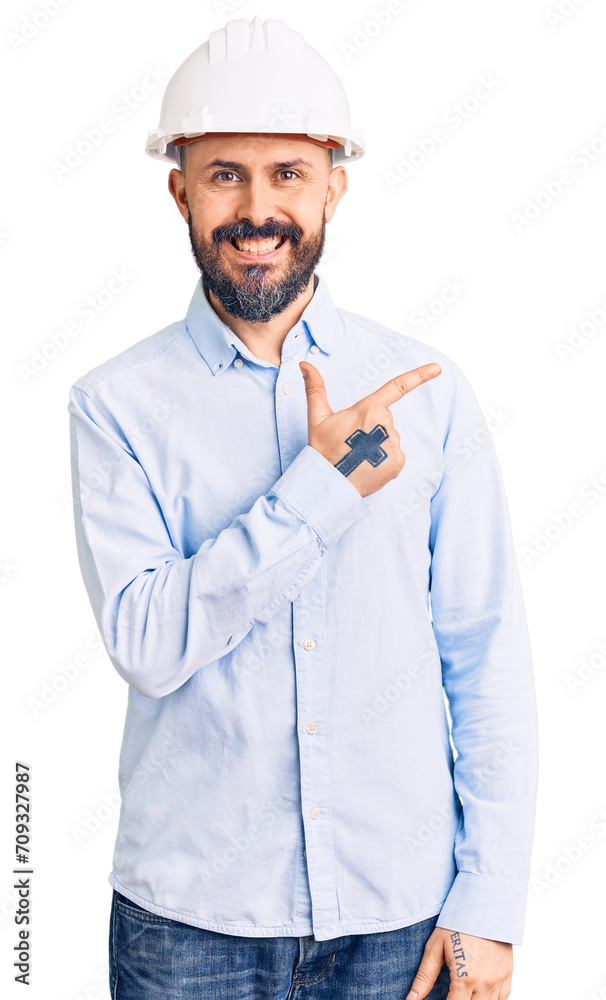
458,953
365,447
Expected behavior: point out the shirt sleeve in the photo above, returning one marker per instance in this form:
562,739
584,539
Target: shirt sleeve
162,616
481,631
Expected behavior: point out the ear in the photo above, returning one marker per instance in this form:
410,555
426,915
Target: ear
176,186
337,186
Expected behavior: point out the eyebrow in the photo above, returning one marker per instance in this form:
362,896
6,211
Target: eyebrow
231,165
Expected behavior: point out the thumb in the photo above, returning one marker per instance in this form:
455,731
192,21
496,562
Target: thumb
318,406
427,973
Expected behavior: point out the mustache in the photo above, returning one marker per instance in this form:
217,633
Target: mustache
244,230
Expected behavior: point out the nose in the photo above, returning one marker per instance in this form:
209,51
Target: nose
256,202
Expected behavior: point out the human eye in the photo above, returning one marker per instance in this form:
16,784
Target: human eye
224,173
293,174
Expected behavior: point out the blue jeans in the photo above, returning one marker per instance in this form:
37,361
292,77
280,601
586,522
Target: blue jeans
154,958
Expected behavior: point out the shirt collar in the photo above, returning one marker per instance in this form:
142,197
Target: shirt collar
219,346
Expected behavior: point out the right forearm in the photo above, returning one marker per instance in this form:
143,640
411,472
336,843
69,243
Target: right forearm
182,614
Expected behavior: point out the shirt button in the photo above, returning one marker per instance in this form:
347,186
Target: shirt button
238,362
309,643
304,854
311,728
285,389
314,813
314,349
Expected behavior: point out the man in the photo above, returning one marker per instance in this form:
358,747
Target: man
291,574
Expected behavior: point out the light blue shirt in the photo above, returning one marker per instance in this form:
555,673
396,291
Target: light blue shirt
291,648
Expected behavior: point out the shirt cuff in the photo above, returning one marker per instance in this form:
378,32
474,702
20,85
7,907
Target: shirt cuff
321,494
485,907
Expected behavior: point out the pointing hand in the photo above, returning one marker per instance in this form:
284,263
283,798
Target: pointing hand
361,441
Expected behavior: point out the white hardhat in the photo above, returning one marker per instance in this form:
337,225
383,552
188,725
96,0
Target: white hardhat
259,77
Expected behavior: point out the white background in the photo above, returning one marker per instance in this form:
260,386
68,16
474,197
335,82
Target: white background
393,245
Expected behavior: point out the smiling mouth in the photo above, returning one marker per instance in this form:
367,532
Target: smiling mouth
258,248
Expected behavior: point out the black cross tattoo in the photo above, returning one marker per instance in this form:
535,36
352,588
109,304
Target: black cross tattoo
365,447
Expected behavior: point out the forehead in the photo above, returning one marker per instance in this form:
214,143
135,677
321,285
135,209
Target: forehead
255,151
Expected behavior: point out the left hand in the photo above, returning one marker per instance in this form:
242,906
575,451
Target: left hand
479,968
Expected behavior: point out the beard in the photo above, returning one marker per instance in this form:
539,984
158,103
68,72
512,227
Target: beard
256,296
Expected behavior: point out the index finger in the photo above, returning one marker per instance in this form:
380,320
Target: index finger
401,384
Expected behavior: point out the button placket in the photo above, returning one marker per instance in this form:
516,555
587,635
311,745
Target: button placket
287,419
310,678
312,708
291,430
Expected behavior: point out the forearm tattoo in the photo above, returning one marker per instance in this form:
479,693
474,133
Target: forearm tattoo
365,447
458,953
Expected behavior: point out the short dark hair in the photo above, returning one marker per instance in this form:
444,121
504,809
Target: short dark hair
182,158
183,148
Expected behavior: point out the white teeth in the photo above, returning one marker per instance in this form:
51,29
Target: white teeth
259,246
